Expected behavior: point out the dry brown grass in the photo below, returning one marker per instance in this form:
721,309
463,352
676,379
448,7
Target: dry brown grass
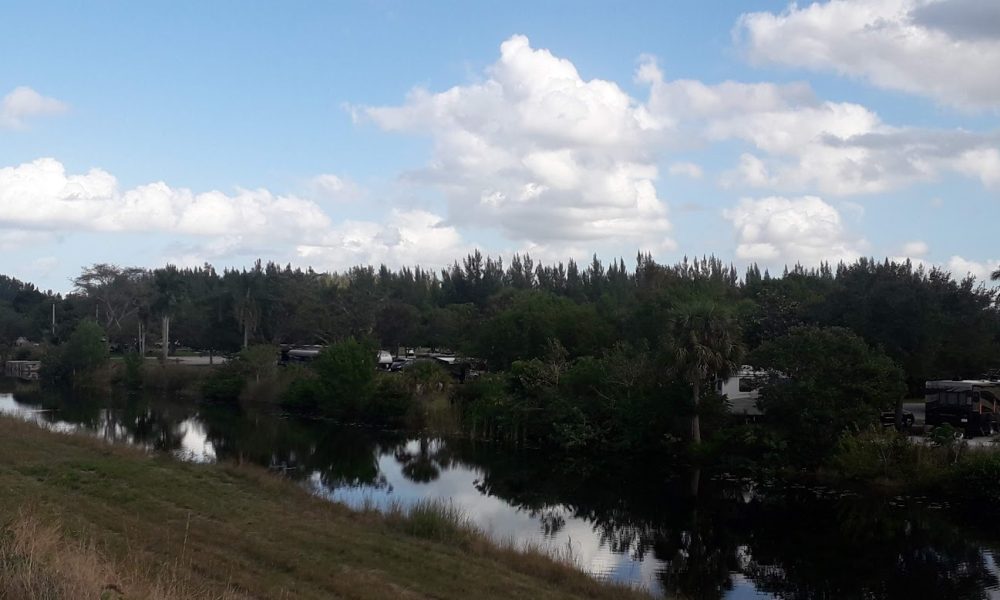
157,528
38,563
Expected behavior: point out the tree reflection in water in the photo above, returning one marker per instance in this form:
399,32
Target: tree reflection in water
788,542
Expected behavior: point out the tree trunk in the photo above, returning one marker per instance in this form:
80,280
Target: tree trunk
695,419
899,414
246,335
166,337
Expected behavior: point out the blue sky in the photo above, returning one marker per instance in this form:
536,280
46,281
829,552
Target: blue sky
329,134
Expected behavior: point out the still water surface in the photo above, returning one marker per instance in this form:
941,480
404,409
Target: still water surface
634,523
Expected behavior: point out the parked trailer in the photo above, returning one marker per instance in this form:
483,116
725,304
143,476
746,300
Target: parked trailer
742,391
969,404
23,369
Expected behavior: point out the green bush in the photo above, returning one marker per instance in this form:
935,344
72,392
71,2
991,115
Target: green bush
259,361
423,376
485,405
341,384
977,476
225,383
346,372
134,364
390,403
875,452
83,354
303,395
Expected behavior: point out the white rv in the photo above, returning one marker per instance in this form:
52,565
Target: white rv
742,390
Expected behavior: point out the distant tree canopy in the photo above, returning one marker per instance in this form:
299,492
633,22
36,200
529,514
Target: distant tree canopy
830,381
81,356
930,324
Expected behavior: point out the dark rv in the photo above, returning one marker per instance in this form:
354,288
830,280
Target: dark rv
970,405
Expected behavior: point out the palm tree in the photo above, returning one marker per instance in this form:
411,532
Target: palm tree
705,340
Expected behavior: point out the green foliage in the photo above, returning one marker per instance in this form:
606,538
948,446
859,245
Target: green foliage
422,376
704,340
587,347
342,384
977,476
304,395
747,447
830,382
86,350
27,353
134,365
390,403
945,436
617,403
258,361
228,380
225,383
80,357
875,452
346,371
523,322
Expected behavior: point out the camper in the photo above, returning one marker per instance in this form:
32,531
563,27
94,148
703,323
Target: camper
742,391
969,404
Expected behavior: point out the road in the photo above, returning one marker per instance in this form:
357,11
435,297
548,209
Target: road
194,361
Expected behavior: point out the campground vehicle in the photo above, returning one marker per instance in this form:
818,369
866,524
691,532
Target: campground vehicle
742,391
888,417
968,404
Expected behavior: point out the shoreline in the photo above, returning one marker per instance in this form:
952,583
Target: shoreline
221,530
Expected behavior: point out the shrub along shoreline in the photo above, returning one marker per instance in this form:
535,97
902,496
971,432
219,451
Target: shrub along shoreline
80,516
822,390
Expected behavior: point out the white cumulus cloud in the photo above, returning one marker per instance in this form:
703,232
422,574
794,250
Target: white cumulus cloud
915,249
24,103
539,152
947,50
778,230
40,199
981,270
798,143
686,169
41,195
336,187
406,238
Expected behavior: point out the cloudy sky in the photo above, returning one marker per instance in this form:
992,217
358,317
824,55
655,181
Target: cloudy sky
332,134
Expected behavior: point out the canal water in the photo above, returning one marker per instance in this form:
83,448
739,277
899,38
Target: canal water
632,523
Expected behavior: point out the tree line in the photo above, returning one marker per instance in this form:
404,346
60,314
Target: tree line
931,324
596,359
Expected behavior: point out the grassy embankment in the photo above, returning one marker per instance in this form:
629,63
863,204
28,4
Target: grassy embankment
79,516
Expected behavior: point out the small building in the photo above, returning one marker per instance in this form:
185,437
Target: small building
23,369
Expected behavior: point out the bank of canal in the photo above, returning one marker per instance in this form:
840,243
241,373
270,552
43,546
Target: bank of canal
633,524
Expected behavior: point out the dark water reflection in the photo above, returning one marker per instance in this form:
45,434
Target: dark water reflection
631,523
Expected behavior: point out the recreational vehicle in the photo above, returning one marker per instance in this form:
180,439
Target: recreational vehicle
969,404
742,391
